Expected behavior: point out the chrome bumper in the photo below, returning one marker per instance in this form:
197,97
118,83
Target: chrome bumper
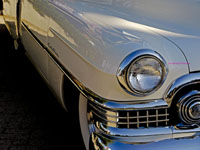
165,138
102,142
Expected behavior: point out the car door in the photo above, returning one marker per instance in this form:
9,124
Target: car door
34,27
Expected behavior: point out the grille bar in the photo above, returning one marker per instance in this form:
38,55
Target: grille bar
129,119
149,116
146,122
148,119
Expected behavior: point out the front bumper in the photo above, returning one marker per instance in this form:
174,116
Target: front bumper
102,142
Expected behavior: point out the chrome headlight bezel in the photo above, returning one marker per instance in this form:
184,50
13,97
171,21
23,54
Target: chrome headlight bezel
134,57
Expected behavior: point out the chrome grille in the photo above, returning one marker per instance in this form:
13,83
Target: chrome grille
129,119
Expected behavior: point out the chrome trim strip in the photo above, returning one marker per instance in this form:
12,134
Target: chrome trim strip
135,105
123,68
112,131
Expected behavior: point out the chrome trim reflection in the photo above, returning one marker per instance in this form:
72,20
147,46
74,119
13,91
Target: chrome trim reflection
124,67
180,83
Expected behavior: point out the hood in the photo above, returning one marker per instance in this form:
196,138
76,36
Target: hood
113,22
176,20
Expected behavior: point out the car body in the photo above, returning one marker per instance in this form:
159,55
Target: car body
135,63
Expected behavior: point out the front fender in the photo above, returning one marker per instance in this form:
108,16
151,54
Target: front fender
98,39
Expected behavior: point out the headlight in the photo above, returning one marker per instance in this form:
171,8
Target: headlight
142,72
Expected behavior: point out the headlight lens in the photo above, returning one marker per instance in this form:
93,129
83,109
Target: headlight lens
142,72
144,75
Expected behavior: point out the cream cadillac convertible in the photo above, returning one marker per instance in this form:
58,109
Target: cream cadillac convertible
135,64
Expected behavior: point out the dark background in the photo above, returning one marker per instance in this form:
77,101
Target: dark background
30,116
1,5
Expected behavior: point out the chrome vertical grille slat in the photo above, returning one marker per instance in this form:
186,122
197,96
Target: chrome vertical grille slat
166,123
147,118
129,118
156,118
138,120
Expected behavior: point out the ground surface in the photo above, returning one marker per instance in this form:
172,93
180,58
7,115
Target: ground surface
30,117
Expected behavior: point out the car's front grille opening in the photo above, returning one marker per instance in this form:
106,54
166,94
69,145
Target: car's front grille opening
144,118
158,117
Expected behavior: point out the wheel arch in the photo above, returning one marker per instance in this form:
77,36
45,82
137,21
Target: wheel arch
70,94
76,104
